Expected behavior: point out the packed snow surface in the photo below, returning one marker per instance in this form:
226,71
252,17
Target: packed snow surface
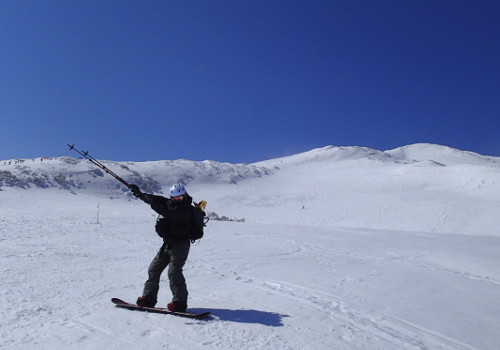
340,248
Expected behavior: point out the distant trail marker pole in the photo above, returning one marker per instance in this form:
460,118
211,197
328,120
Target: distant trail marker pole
99,165
98,213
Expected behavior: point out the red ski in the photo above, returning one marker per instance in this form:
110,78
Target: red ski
158,310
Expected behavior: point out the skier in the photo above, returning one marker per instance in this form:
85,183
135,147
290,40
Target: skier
176,213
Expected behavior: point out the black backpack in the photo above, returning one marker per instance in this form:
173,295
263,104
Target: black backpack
198,220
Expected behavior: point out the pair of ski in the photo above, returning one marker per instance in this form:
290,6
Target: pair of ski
158,310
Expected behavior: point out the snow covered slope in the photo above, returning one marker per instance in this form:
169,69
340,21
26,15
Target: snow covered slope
420,187
441,155
341,248
81,176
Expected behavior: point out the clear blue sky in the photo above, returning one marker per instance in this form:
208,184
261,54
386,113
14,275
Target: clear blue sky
243,81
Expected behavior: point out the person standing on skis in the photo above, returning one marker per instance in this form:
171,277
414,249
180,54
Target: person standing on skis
173,226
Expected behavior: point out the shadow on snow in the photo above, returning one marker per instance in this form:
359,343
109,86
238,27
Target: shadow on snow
271,319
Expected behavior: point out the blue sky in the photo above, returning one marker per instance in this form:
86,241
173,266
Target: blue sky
243,81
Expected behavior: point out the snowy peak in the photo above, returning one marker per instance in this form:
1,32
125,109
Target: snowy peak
80,175
440,154
325,154
420,152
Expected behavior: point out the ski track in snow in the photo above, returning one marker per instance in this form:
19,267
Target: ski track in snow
377,331
63,269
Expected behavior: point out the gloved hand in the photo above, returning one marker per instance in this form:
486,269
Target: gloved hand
135,191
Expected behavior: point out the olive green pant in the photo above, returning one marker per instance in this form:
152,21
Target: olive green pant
174,256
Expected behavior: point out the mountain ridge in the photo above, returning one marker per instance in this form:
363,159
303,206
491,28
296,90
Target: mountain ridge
75,175
412,153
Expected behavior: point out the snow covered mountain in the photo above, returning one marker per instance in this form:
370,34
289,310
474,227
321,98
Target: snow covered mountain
411,154
79,175
341,248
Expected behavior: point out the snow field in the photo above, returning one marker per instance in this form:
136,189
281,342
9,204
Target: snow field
341,248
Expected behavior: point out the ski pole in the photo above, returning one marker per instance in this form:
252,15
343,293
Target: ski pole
98,164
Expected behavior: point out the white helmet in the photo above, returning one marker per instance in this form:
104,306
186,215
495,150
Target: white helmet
177,190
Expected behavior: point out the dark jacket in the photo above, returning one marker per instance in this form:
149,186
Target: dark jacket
176,216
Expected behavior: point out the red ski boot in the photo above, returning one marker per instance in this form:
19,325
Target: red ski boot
177,306
146,301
